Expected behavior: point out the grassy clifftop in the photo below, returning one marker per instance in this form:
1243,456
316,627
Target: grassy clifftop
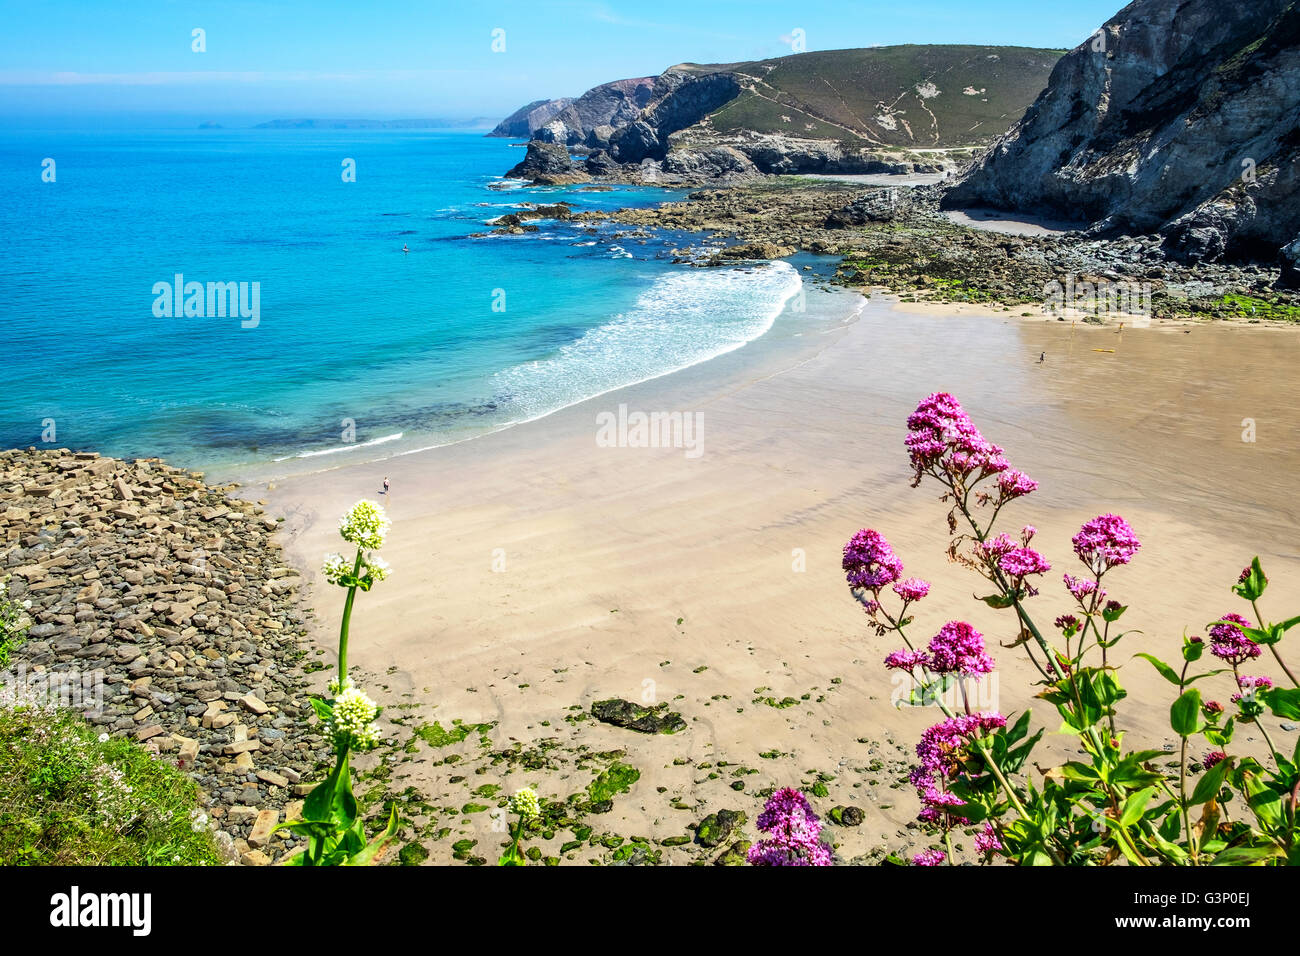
918,96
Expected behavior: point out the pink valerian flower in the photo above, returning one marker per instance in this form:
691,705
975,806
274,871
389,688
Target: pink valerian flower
1082,588
1250,686
929,858
942,438
1228,643
1015,484
1212,758
912,590
986,841
1212,708
907,660
1019,563
1105,542
994,549
870,562
793,830
1067,622
959,649
940,807
942,746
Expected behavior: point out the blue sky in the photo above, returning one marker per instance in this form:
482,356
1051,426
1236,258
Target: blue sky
117,59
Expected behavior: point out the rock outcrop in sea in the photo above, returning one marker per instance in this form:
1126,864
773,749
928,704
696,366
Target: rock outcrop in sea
1177,118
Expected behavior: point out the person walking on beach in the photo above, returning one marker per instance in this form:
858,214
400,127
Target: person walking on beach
385,484
1042,358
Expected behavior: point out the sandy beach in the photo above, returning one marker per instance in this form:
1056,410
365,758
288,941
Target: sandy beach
537,571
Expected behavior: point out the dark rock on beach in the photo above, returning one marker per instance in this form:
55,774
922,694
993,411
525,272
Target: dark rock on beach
717,828
647,720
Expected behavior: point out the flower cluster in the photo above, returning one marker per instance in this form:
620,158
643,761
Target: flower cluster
1081,588
912,590
942,749
1015,484
525,803
339,570
986,841
352,722
365,525
1228,643
1250,686
929,858
870,563
870,566
957,649
793,830
1105,542
942,440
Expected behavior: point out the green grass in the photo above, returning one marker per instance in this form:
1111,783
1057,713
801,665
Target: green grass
1250,307
69,799
837,94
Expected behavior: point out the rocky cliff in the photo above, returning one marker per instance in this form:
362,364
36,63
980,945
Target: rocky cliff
840,111
588,120
1177,117
525,121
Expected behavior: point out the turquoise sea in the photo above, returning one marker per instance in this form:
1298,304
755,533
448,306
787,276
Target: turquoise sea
356,347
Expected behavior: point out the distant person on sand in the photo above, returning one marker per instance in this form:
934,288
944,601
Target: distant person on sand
385,484
1042,358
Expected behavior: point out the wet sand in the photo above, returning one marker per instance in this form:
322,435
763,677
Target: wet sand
536,571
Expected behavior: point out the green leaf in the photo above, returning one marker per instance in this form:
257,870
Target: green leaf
365,856
323,709
1078,771
1255,582
1172,827
1112,615
1211,782
1246,855
1134,805
997,601
1283,702
1167,672
316,808
1265,802
1185,714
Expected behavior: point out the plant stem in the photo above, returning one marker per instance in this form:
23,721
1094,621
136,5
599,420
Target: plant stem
1259,618
343,628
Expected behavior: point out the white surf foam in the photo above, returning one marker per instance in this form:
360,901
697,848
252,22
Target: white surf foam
342,448
684,318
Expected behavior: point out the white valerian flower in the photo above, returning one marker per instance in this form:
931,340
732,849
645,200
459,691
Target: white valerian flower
525,803
365,525
103,738
353,720
336,685
376,567
335,567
